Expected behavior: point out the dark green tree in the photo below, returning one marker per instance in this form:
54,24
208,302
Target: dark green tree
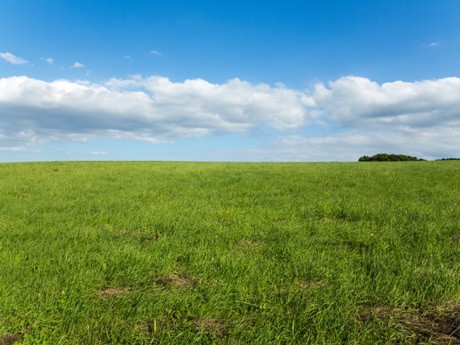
387,157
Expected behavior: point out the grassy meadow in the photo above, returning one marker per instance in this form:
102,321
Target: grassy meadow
230,253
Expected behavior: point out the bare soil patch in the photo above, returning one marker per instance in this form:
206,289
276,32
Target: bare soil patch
113,292
326,219
9,339
247,245
179,281
212,326
438,325
456,237
147,328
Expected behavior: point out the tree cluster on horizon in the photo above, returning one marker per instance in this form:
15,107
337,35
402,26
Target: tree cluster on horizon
387,157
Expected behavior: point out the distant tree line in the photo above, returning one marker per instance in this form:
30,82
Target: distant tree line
388,157
448,159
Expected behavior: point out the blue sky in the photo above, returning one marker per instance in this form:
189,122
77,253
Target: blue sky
228,80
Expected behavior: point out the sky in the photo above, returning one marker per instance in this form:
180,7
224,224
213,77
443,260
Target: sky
207,80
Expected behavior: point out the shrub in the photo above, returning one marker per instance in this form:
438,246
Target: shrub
386,157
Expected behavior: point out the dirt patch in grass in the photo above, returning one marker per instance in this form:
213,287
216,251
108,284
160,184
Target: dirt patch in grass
456,237
211,326
113,292
326,219
437,325
246,245
9,339
441,326
381,313
147,328
179,281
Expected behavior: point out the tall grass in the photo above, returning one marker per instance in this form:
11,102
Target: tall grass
179,253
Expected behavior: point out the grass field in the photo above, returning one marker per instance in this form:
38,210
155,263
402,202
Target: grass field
231,253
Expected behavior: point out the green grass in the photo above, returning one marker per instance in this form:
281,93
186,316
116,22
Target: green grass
180,253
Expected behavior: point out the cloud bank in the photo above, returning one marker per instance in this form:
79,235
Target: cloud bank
151,109
361,102
416,118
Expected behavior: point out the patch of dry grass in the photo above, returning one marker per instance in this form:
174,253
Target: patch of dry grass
179,281
438,325
113,291
212,326
246,245
9,339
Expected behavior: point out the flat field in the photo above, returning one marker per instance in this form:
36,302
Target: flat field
231,253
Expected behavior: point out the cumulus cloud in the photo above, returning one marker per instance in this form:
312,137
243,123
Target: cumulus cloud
151,109
49,61
154,52
361,102
429,143
78,65
358,116
12,59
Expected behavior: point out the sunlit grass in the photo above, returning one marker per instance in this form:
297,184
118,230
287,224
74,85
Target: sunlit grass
164,253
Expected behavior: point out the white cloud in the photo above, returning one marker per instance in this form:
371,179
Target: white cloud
357,115
151,109
16,140
49,61
428,143
78,65
360,102
99,153
12,149
12,59
434,44
154,52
